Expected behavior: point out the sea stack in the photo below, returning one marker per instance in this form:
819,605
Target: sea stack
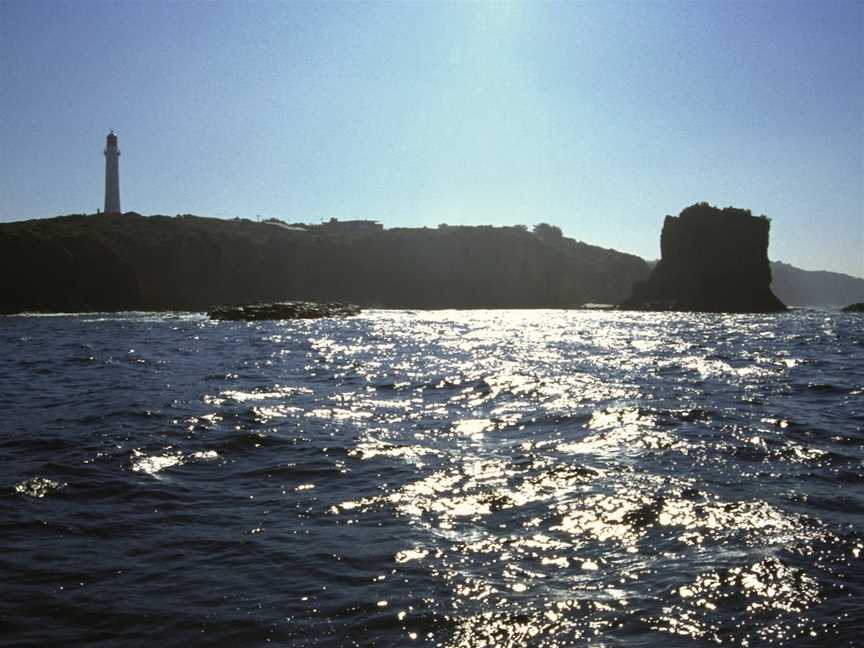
712,260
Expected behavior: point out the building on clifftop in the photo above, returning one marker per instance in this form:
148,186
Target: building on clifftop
335,226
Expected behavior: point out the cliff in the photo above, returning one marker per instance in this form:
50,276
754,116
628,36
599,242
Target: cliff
132,262
798,287
712,260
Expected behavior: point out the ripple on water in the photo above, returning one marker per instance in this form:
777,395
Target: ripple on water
152,464
39,487
730,601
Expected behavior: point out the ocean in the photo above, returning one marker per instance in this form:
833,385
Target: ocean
433,478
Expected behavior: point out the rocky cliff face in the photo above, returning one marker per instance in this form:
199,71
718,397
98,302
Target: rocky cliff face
132,262
713,260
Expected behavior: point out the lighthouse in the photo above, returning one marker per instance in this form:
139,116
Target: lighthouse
112,175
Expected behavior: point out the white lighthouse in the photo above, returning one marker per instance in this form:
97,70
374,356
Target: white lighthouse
112,175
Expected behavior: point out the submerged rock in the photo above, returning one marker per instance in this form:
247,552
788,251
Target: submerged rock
283,310
713,260
854,308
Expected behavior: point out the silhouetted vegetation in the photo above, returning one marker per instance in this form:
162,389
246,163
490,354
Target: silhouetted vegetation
127,262
547,232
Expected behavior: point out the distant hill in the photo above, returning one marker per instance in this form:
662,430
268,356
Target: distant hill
132,262
797,287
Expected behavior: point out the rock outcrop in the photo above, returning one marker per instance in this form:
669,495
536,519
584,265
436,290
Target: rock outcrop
283,310
713,260
854,308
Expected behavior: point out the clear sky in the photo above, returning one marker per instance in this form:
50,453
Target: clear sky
600,117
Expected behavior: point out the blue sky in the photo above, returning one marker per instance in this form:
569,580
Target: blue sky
600,117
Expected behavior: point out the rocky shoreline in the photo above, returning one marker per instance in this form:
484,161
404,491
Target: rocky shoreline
283,310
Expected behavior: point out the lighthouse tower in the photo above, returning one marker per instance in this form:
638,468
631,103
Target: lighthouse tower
112,175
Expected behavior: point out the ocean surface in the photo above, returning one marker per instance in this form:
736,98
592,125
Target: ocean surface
446,478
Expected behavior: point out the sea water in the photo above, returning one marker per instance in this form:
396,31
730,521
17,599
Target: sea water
445,478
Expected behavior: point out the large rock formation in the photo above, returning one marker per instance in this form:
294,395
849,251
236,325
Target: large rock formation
712,260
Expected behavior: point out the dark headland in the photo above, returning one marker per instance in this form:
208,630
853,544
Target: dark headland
131,262
713,260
